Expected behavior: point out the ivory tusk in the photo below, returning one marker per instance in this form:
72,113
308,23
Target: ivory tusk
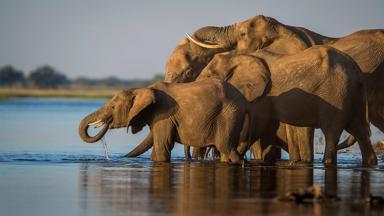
202,44
93,123
99,124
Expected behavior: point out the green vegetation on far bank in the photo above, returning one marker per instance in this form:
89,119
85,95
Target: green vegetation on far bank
6,93
45,81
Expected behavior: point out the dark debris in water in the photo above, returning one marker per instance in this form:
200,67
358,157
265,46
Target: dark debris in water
311,194
374,200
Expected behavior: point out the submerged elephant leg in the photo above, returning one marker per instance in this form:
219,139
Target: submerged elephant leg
187,152
293,147
332,137
215,153
229,155
198,152
257,150
304,136
163,141
242,148
361,133
270,152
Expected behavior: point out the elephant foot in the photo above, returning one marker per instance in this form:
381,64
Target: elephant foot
329,161
370,161
236,158
159,158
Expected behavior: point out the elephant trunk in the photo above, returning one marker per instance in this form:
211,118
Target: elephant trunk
84,125
146,144
347,143
225,36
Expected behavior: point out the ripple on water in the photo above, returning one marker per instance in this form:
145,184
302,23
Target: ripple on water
66,158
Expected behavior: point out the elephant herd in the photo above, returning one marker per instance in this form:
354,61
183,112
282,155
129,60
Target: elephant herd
259,85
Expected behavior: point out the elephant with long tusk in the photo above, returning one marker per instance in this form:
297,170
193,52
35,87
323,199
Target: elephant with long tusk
194,53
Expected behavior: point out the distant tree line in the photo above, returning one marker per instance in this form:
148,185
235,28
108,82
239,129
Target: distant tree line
48,77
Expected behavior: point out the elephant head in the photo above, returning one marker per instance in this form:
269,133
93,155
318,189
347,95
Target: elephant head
193,53
246,73
120,111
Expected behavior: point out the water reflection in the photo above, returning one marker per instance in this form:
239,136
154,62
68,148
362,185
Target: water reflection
221,189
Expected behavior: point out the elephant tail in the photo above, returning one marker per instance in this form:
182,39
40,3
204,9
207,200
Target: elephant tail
146,144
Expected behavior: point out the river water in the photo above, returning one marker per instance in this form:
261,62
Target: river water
45,169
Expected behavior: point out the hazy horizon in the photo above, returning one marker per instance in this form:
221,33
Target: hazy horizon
133,39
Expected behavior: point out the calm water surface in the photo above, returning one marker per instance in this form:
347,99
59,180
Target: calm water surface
45,169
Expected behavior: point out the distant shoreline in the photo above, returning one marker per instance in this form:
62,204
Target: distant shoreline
7,93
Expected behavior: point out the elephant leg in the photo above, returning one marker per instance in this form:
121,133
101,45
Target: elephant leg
362,134
227,140
270,152
281,137
242,148
265,149
198,153
257,150
228,155
206,153
332,136
163,141
187,152
304,136
216,153
293,147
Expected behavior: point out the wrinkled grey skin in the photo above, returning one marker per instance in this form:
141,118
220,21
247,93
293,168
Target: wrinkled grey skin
213,108
327,81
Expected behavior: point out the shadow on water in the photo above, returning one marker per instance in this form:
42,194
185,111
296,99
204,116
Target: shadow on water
220,189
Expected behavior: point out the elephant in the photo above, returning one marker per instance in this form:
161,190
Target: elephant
192,55
200,114
366,47
326,80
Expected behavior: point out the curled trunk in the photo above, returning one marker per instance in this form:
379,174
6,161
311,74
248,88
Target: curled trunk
83,129
225,36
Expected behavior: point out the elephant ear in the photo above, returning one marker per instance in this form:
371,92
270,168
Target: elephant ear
249,75
143,97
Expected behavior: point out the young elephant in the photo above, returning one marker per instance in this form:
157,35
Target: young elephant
319,87
200,114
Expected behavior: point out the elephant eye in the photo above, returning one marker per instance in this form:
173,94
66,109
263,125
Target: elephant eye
113,107
242,34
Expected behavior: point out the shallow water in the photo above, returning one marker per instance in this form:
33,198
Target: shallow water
45,169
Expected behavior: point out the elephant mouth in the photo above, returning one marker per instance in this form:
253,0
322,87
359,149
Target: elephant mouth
106,123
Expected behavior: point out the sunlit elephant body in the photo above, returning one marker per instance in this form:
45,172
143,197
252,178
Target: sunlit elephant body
320,87
367,49
189,59
199,114
264,33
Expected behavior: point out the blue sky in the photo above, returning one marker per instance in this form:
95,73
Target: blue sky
133,39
